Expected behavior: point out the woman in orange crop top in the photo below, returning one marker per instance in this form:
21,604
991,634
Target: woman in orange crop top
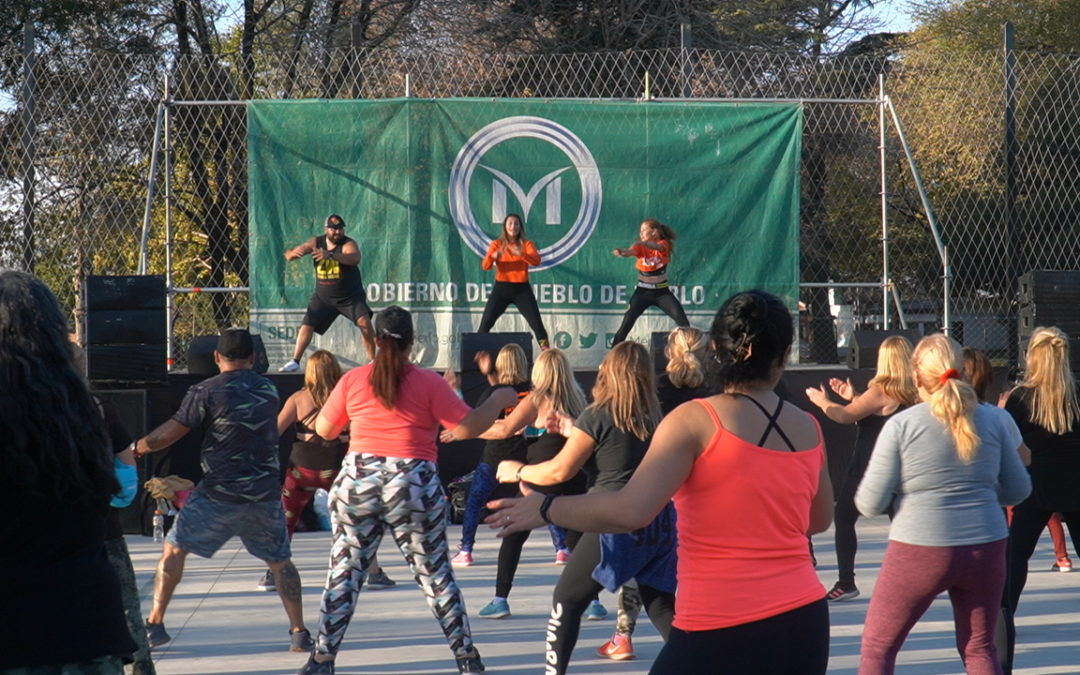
653,250
512,255
748,475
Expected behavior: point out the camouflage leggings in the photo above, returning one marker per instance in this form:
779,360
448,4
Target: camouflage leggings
372,492
629,602
129,592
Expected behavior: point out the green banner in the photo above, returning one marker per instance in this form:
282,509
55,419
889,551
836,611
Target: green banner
423,186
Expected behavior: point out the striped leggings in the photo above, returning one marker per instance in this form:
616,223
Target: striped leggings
373,492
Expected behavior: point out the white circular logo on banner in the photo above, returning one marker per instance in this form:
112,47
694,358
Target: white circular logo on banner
470,156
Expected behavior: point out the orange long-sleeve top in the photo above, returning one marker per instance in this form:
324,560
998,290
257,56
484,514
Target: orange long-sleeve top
511,267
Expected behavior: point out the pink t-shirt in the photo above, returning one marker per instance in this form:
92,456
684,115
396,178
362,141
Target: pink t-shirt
424,402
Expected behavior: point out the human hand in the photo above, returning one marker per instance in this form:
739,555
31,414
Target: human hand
484,362
515,515
320,254
842,388
507,470
452,378
447,436
818,396
559,423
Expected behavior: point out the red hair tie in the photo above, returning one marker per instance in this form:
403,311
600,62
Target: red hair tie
948,374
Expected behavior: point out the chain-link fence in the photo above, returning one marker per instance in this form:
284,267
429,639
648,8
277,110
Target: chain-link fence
77,133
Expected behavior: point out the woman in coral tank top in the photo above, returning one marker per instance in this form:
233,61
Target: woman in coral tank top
748,475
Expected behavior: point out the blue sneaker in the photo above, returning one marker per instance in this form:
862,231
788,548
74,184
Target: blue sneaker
596,611
496,609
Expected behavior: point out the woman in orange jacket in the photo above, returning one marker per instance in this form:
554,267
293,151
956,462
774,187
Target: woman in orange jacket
512,255
653,250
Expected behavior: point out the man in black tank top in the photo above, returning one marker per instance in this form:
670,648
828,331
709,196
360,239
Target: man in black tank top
338,288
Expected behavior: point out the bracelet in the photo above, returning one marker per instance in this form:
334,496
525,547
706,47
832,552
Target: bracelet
544,506
134,447
518,474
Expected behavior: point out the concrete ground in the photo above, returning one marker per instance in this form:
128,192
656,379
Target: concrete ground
221,624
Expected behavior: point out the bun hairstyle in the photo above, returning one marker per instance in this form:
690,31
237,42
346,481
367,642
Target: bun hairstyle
938,362
752,332
685,347
394,337
1050,388
511,366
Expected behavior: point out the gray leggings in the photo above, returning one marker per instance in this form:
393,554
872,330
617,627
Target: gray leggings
374,492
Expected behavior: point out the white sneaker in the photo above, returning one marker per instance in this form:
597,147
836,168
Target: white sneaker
291,366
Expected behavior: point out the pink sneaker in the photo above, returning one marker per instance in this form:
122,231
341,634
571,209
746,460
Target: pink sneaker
618,648
462,559
561,556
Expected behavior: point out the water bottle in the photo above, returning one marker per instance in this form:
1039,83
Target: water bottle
159,526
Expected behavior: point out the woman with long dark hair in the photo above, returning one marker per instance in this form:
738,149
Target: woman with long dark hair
945,467
892,389
512,255
748,476
610,436
653,250
59,479
1046,407
390,479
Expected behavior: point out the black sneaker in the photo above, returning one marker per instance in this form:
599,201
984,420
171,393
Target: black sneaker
300,641
267,582
156,635
842,593
313,667
470,665
379,581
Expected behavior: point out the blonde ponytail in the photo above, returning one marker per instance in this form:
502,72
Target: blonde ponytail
1049,381
938,362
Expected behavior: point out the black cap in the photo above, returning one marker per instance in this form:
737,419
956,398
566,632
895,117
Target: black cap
335,221
395,322
235,344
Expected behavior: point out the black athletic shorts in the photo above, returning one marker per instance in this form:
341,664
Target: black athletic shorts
321,313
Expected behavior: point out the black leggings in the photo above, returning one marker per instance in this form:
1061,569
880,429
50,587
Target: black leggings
573,593
792,643
510,556
844,517
644,298
1028,521
520,295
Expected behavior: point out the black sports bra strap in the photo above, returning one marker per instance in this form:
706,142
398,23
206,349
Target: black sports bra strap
772,421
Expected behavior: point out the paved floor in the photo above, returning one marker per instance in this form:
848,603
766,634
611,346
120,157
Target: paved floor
220,624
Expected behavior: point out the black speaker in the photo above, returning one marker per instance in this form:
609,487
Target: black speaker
1049,286
200,355
125,329
865,344
1033,315
657,346
472,381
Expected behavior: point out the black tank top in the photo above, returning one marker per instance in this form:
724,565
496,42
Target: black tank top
333,281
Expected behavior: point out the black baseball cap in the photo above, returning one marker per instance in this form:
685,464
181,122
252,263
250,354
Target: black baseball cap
335,221
235,344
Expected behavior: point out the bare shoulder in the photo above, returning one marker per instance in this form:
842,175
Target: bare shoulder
800,426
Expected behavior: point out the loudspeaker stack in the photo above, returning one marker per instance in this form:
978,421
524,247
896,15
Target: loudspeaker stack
473,381
125,329
1050,298
865,344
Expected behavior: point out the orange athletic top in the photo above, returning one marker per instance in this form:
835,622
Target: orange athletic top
510,267
650,260
742,519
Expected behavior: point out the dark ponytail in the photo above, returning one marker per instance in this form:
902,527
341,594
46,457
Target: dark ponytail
394,334
752,331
